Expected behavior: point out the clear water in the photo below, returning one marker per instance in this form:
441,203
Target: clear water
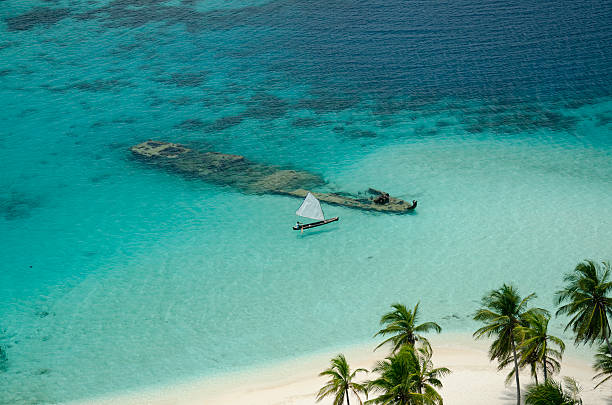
496,116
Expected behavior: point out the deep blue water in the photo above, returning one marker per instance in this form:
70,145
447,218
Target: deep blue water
496,116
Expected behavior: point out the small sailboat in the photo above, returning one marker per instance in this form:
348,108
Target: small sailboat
311,208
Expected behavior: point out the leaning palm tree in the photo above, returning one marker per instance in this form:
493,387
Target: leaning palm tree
341,382
603,364
407,378
502,313
552,393
588,293
401,324
537,345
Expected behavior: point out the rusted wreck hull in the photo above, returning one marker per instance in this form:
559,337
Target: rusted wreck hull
252,177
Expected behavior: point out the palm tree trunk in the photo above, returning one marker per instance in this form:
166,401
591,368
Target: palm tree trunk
545,373
535,374
347,398
516,375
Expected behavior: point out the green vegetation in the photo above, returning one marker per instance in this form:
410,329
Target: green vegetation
536,347
552,393
407,378
520,339
341,382
401,324
503,312
587,293
603,364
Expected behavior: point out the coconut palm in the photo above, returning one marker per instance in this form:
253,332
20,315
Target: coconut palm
407,378
536,346
603,364
528,361
502,313
552,393
427,376
341,382
401,324
588,292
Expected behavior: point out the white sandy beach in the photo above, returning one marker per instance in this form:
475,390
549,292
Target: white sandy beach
474,380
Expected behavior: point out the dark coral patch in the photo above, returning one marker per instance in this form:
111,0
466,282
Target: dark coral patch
185,79
328,103
124,120
134,13
266,106
6,45
514,119
361,133
191,125
305,123
40,16
100,178
100,85
225,123
261,106
3,359
603,119
16,205
393,106
424,131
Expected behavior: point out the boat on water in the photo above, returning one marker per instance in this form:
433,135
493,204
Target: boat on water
311,208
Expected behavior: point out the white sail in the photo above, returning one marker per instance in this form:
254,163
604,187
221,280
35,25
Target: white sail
311,208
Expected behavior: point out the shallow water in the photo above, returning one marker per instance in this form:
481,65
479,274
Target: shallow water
495,116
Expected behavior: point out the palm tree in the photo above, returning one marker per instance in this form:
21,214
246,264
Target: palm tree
587,292
603,364
527,361
407,378
341,382
552,393
536,344
502,313
428,377
401,324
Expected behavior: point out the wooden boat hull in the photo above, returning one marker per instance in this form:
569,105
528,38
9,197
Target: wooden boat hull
314,224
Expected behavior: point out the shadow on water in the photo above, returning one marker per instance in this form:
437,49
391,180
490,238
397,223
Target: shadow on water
310,232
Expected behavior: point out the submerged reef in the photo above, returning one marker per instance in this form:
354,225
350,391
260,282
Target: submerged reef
263,106
36,17
184,79
3,359
252,177
16,205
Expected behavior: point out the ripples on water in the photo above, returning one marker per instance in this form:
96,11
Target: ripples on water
495,115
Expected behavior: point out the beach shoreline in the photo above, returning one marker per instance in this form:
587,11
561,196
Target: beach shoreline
474,380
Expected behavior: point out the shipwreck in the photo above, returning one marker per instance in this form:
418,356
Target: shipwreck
252,177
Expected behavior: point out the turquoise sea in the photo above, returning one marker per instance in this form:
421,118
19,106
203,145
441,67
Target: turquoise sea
495,115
